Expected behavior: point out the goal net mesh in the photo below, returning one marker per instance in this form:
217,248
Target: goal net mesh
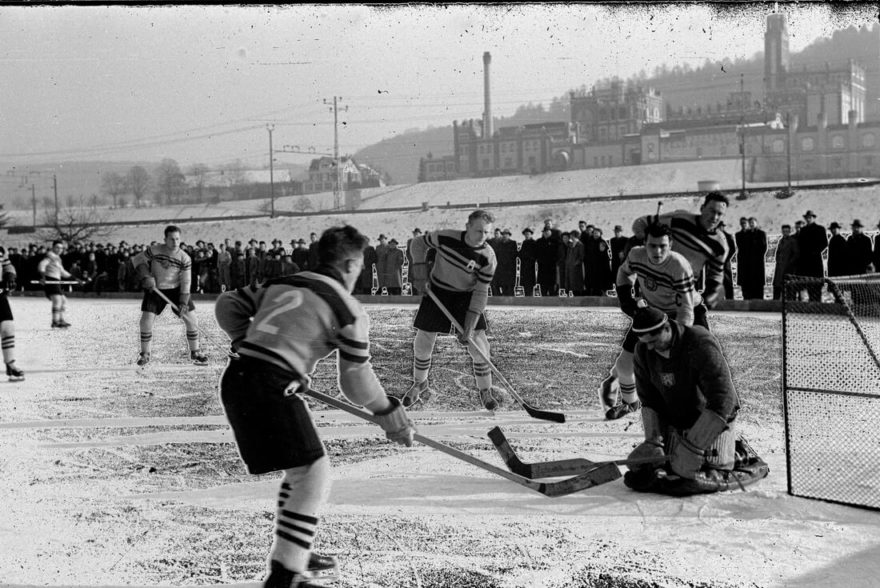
831,388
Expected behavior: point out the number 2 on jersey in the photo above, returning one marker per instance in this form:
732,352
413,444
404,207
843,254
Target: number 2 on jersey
287,300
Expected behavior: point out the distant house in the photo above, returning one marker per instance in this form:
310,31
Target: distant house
241,184
323,176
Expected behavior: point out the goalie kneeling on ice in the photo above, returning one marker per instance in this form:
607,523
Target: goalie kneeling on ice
748,468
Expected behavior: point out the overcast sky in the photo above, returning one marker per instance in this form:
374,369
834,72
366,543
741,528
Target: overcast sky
200,83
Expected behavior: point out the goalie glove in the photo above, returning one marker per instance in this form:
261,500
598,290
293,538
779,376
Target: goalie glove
396,423
645,449
687,451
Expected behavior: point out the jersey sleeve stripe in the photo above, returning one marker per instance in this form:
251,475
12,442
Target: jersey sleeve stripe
350,357
353,343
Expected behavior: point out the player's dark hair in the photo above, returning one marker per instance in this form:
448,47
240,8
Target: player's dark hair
171,229
483,215
716,197
338,243
657,230
57,242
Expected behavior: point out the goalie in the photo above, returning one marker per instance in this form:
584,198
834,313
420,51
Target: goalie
689,409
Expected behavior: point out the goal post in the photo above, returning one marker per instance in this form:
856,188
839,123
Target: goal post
831,387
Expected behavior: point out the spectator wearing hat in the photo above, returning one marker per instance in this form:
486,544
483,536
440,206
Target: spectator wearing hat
300,256
754,272
689,403
365,280
528,262
742,238
787,253
381,255
618,245
505,274
253,267
858,250
838,264
313,252
224,265
574,265
597,264
812,241
392,271
547,253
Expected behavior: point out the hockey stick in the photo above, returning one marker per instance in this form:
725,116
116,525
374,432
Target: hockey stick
561,467
59,283
838,295
593,477
537,413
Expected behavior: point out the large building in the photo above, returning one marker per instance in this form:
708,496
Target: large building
810,124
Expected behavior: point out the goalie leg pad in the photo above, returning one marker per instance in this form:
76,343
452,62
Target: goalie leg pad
721,454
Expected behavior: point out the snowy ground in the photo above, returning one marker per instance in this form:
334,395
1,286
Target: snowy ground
113,477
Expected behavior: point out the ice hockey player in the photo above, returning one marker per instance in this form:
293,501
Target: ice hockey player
280,331
7,324
666,282
689,410
460,278
51,269
701,240
167,268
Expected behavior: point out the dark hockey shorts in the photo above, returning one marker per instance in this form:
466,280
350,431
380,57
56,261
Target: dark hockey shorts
273,431
50,289
431,319
5,311
153,302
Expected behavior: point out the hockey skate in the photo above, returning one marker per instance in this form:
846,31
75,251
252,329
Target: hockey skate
609,393
281,577
13,373
322,568
143,358
489,399
418,392
621,410
198,358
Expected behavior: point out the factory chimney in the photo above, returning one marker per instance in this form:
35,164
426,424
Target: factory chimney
487,102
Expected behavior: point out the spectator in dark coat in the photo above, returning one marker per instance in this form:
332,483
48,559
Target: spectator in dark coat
381,254
812,241
392,271
365,281
728,263
505,274
238,270
574,266
300,255
417,272
755,272
838,264
786,262
597,264
858,250
528,258
547,251
618,244
742,240
313,253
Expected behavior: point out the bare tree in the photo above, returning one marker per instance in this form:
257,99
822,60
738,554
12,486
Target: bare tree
114,185
199,173
76,224
138,181
302,204
170,181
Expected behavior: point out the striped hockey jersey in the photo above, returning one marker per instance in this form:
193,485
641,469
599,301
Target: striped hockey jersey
668,286
171,269
706,251
52,267
6,266
458,266
295,321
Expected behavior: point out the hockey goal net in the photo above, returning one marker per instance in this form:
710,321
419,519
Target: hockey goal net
831,388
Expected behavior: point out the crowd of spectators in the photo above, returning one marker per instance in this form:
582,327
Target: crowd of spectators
550,262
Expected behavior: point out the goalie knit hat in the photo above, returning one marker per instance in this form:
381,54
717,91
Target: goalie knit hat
648,319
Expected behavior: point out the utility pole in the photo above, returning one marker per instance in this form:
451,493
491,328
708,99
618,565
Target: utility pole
55,188
34,203
788,146
270,128
338,183
742,130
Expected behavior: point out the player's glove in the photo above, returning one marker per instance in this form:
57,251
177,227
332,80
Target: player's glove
396,423
645,449
183,303
470,323
148,283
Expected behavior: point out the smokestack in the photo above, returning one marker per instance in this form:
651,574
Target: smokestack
487,102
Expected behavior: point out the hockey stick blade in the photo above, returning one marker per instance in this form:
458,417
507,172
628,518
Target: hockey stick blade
556,468
599,475
537,413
